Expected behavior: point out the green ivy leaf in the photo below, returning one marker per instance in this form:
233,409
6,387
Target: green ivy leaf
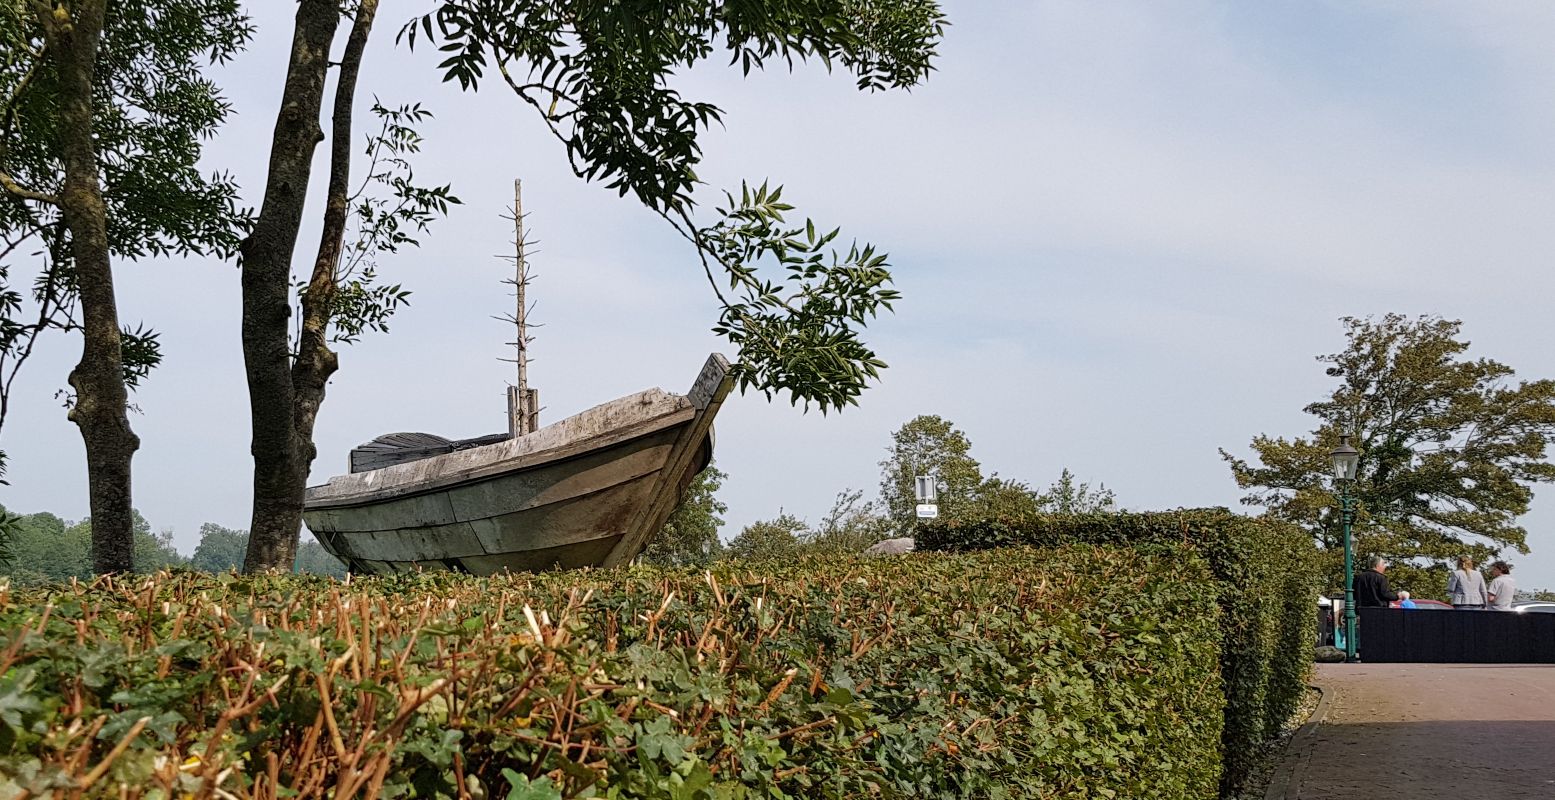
521,788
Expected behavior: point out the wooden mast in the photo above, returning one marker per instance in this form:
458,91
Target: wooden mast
523,402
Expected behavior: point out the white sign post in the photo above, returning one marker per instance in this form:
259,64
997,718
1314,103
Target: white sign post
928,497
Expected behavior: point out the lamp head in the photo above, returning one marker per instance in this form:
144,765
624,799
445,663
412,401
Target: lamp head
1346,459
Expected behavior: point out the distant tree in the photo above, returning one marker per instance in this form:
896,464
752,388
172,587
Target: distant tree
104,107
74,556
782,537
1003,497
690,536
10,527
1427,580
153,551
313,559
44,548
220,549
1450,447
852,525
156,551
929,445
1067,496
47,547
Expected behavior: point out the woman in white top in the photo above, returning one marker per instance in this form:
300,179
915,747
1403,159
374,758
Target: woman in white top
1502,589
1465,586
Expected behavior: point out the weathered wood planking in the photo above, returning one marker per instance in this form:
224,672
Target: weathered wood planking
707,395
567,495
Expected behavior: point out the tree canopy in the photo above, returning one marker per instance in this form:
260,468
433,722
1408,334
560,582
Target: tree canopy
154,107
769,539
1451,446
44,548
1069,496
602,75
929,445
690,535
851,526
220,549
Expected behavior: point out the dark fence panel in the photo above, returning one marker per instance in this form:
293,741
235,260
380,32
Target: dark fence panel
1390,635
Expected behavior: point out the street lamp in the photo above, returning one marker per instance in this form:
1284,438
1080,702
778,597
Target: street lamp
1346,459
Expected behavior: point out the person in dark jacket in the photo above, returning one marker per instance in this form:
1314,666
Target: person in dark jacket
1371,586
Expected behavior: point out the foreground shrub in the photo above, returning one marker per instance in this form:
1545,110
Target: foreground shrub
1077,672
1265,576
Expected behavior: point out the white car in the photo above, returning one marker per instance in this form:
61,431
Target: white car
1534,606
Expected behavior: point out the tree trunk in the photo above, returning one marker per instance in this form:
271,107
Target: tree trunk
315,361
101,401
282,455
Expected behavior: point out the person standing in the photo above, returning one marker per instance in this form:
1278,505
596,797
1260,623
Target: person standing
1371,586
1465,586
1503,590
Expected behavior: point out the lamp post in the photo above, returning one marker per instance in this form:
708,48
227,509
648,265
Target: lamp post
1346,459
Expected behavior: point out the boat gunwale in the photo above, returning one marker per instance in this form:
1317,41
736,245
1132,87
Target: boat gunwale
524,462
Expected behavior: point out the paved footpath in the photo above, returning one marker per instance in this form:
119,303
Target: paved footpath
1426,731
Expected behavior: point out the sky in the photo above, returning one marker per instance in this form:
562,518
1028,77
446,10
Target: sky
1122,232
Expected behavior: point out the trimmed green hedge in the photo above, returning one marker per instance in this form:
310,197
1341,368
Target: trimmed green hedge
1076,672
1266,580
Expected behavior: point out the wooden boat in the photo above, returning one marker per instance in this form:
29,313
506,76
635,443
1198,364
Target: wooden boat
589,490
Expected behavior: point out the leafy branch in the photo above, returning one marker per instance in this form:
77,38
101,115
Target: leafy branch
799,333
389,210
598,73
153,106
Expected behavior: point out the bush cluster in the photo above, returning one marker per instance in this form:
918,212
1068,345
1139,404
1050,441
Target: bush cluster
1077,671
1265,578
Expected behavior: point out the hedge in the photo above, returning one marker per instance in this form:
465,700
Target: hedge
1264,574
1075,672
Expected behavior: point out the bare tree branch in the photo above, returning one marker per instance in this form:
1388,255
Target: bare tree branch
10,185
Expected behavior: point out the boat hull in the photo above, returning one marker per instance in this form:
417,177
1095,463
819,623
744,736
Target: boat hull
589,491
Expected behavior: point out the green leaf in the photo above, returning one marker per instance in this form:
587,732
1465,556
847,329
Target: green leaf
521,788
